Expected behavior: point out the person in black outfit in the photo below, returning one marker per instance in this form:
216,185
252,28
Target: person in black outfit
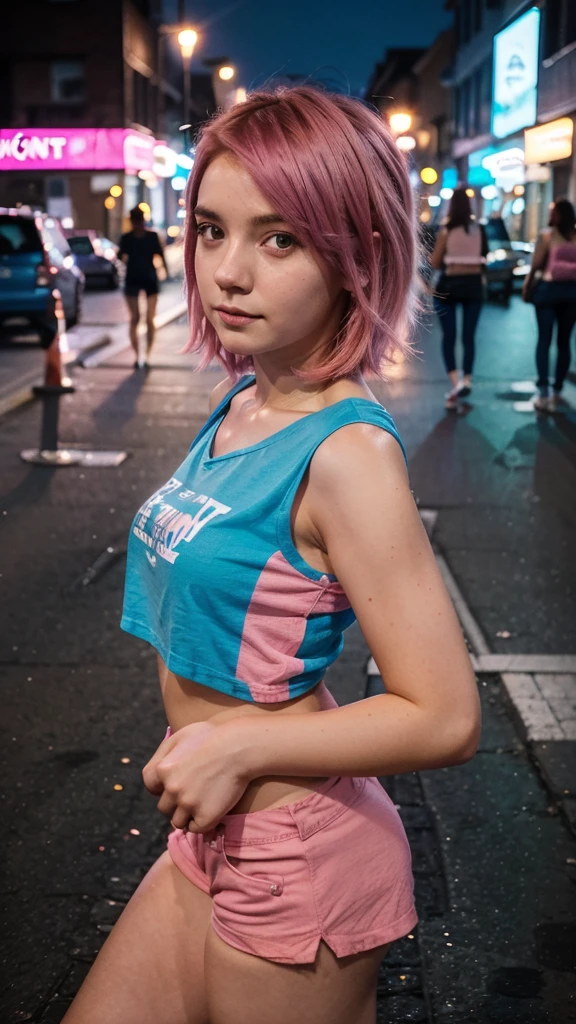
138,248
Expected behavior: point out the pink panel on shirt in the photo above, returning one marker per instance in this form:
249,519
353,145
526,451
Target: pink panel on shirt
275,624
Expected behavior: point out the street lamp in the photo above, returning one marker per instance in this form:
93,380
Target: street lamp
187,39
226,73
400,122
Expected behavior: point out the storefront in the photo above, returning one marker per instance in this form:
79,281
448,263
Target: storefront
548,155
88,177
496,175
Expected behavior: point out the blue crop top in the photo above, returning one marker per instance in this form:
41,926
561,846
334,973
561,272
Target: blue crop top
214,581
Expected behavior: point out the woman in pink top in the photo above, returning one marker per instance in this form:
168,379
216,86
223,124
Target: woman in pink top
554,298
460,251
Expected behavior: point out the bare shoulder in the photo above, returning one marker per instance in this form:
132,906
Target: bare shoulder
357,476
356,455
219,392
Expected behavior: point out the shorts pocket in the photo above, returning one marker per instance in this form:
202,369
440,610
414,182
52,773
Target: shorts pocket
253,877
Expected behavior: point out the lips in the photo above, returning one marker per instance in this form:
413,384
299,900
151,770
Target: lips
235,311
235,317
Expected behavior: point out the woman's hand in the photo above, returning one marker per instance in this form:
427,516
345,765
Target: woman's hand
199,773
526,289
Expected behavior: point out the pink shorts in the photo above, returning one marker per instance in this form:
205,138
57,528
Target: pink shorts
334,866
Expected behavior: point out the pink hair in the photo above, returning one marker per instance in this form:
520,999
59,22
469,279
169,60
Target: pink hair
331,169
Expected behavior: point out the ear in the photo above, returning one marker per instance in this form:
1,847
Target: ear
363,275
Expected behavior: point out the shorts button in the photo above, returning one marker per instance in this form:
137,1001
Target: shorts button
213,844
274,889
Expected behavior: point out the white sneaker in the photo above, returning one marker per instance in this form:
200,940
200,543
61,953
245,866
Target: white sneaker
541,404
464,389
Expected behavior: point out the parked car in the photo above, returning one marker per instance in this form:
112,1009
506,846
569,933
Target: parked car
97,269
507,262
36,262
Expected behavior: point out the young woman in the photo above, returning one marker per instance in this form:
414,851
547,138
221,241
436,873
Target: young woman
554,298
460,251
288,873
139,247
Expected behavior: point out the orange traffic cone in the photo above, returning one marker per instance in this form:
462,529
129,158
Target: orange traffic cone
53,364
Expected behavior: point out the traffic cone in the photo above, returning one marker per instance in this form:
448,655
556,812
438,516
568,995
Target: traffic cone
53,364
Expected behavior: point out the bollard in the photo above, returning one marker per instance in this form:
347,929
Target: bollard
55,385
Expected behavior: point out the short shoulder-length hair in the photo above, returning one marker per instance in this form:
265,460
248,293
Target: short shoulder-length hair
330,167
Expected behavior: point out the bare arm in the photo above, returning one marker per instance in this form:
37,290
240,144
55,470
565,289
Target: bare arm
437,257
430,715
539,259
160,252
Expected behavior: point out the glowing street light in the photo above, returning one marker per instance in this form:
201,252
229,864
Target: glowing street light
406,143
187,40
226,73
429,175
400,122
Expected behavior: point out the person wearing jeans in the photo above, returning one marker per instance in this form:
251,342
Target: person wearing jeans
554,299
447,314
460,252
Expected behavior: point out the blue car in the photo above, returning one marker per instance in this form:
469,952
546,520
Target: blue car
35,265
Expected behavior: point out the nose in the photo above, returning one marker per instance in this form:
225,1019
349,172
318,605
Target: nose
234,272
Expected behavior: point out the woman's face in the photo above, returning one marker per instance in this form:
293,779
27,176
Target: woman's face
248,259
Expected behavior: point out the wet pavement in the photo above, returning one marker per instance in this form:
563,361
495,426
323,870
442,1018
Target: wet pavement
493,853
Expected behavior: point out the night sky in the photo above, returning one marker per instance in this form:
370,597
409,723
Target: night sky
266,37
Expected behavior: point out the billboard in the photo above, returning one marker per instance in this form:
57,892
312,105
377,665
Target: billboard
515,82
552,141
75,149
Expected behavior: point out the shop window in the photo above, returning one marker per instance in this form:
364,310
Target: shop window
67,81
57,188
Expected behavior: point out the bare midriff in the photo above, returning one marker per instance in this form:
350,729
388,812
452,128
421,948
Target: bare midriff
187,702
463,269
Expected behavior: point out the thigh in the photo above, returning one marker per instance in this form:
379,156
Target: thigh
447,315
150,970
545,315
471,314
330,991
132,301
566,319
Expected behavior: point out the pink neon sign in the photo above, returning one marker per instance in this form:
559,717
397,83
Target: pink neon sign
75,149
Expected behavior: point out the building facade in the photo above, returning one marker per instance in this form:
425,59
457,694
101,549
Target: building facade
83,110
514,101
412,82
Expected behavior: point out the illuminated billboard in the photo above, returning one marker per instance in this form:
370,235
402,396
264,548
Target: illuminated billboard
75,149
515,83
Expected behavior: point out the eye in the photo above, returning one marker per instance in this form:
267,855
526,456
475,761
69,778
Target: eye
201,229
284,241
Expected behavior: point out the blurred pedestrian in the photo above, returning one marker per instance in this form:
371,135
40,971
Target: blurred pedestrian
290,515
138,248
460,253
554,297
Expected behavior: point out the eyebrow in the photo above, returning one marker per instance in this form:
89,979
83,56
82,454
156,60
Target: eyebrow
263,219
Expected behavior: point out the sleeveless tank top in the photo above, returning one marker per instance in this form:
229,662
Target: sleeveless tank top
562,263
464,247
214,581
